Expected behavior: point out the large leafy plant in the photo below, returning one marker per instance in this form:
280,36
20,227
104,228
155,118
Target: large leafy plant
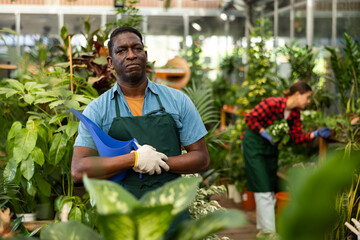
306,66
314,194
260,81
121,216
204,103
39,149
89,61
346,70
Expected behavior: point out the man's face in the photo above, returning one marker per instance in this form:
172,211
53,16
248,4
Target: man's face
128,58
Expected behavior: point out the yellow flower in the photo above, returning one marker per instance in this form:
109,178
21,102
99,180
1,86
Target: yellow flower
262,80
262,91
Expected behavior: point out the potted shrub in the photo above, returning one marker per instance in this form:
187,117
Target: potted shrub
121,216
39,150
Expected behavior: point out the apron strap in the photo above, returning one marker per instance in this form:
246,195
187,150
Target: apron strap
160,103
117,108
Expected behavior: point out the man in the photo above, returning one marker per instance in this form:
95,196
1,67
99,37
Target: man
160,118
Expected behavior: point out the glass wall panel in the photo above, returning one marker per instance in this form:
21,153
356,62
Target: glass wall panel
284,29
110,18
284,3
284,26
43,24
7,53
206,26
7,21
348,19
322,23
165,25
162,48
237,28
164,38
300,25
75,23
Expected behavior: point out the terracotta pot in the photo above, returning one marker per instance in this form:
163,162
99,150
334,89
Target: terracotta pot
282,199
247,200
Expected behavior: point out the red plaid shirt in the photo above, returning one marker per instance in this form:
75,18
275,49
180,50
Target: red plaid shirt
268,110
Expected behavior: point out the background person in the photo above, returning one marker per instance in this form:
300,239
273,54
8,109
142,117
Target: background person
261,153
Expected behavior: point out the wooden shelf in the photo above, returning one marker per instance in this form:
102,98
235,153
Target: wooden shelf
8,66
31,226
229,110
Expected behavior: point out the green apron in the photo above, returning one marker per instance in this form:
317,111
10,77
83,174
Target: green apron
158,129
261,162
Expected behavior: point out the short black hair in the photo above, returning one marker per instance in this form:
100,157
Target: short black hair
121,30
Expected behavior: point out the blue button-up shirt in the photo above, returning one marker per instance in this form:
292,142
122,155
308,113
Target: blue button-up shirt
102,112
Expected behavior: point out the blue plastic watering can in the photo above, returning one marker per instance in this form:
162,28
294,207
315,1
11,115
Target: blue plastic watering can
106,145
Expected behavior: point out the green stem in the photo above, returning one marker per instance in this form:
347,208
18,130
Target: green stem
63,185
55,191
355,81
58,120
42,110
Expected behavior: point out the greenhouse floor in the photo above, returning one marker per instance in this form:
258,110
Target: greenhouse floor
246,232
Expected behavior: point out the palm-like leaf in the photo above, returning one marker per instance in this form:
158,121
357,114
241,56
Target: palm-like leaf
204,103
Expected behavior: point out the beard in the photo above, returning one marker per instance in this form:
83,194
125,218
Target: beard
131,78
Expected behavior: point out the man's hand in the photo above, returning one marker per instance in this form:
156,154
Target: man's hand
150,161
267,136
322,132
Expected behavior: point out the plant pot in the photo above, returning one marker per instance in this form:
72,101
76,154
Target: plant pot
237,196
27,217
247,200
282,199
231,191
45,211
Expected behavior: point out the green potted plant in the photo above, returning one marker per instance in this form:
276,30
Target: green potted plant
39,150
121,216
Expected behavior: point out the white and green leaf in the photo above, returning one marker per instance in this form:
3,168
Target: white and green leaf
72,230
109,196
180,193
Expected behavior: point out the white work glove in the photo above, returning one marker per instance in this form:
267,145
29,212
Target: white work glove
149,160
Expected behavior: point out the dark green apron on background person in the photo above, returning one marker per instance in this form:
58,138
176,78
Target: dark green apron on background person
261,162
157,129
